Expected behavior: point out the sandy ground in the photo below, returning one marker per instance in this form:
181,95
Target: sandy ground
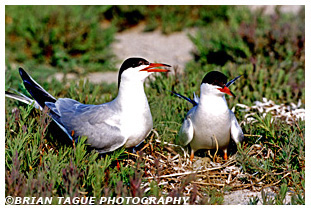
173,49
269,9
243,197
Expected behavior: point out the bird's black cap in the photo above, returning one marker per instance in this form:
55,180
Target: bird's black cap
131,62
215,78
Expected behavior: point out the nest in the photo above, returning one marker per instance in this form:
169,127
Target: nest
177,175
170,167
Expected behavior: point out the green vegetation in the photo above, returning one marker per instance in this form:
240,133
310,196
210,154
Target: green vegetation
267,50
65,38
167,18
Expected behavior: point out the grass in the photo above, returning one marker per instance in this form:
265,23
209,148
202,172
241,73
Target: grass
268,51
66,38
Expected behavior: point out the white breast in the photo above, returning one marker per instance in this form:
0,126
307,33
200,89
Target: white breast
136,119
211,123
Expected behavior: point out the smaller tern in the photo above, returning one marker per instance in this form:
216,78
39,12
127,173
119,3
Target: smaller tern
210,124
124,121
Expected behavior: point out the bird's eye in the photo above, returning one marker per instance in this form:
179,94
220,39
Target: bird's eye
140,63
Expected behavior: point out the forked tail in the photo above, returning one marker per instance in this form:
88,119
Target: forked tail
36,91
40,96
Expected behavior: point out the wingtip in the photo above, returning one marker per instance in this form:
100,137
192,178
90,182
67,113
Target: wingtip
21,71
24,75
194,103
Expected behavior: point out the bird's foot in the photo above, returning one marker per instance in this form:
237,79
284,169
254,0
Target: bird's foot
192,156
225,155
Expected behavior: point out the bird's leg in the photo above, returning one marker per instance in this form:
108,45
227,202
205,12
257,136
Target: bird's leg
192,155
225,154
73,140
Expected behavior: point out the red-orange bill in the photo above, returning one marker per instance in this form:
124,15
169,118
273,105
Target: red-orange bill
226,90
154,65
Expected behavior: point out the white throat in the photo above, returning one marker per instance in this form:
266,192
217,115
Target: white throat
131,94
212,100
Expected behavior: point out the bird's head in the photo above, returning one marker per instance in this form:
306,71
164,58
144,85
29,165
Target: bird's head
216,83
138,69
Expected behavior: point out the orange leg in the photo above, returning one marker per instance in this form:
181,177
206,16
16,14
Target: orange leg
73,140
192,155
225,154
118,165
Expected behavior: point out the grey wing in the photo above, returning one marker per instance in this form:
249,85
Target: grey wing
236,130
97,122
186,131
103,137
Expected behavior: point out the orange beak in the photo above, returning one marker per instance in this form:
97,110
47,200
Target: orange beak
154,65
226,90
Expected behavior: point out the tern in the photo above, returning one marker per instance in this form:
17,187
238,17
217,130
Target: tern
210,124
124,121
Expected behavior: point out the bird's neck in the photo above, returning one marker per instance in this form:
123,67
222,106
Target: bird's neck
212,102
131,93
